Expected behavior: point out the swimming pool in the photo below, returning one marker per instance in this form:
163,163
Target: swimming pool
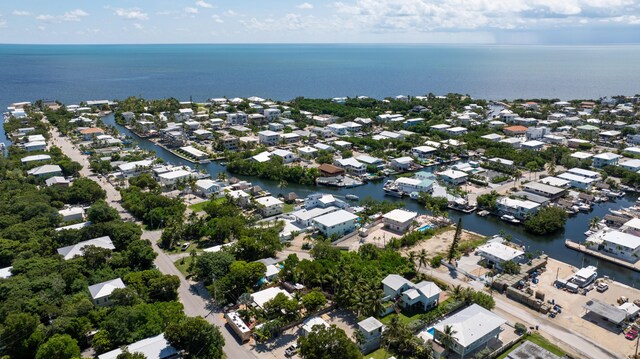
431,330
425,227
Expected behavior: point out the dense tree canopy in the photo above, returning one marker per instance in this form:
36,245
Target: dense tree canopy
327,343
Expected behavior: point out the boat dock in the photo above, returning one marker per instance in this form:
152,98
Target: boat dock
581,248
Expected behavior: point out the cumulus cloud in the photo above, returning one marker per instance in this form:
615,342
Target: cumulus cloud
131,14
305,6
45,17
74,15
204,4
217,19
138,26
20,13
452,15
191,10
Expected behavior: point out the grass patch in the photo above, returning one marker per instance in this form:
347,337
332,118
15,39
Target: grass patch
288,207
403,317
381,353
199,207
183,266
538,339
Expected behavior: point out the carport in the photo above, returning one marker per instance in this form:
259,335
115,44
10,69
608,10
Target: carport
605,311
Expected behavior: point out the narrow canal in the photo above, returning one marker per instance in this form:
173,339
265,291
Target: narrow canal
552,244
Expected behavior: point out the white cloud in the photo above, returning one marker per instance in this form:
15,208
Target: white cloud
45,17
191,10
132,14
3,23
74,15
230,13
204,4
138,26
217,19
305,6
20,13
41,28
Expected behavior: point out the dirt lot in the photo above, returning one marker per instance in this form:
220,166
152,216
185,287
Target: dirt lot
441,242
575,317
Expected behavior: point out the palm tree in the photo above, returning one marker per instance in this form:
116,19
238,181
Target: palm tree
551,168
457,292
412,257
516,177
593,223
392,333
222,176
448,337
423,258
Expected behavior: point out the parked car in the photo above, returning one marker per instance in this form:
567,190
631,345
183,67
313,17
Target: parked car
185,246
291,351
631,334
602,287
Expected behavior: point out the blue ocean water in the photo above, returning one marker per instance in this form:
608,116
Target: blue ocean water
72,73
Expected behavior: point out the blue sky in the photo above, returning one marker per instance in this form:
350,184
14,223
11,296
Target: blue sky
308,21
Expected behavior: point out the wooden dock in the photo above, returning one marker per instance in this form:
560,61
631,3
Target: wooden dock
581,248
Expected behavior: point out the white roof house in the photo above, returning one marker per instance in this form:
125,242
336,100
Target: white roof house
34,158
471,325
44,170
584,173
268,201
308,325
105,289
263,296
334,218
152,348
400,215
69,252
56,180
499,251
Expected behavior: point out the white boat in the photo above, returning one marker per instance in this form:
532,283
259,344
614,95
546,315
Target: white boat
588,233
509,218
391,189
414,195
584,207
352,197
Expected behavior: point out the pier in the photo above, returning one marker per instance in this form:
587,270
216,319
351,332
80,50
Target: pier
581,248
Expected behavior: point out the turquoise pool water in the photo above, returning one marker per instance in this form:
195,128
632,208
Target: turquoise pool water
431,331
424,228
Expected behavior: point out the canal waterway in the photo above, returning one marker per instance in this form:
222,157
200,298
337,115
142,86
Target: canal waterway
552,244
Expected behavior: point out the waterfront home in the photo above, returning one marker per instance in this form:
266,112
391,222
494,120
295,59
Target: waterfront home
101,292
34,158
402,163
45,171
371,161
269,206
286,156
239,197
493,137
338,223
72,214
545,190
577,181
474,328
495,254
351,165
423,153
36,138
262,157
35,146
202,134
194,153
617,243
422,296
151,348
605,159
533,145
452,177
517,208
399,220
409,185
90,133
57,181
69,252
230,142
514,131
328,170
631,165
131,169
268,138
371,331
323,200
173,177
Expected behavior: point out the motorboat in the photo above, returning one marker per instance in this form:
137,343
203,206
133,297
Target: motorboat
509,218
414,195
584,207
391,189
352,197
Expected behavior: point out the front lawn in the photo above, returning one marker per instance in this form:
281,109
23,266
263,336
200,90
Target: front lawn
199,207
288,207
403,317
183,264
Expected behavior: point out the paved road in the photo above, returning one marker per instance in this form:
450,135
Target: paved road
193,296
580,344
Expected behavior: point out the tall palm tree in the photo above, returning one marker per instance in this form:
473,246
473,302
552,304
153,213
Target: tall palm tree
457,292
423,258
412,257
516,177
448,337
593,223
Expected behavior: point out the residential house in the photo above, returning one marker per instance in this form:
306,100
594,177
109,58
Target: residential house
371,330
230,142
399,220
514,131
304,217
269,138
338,129
605,159
452,177
310,323
455,131
545,190
45,171
474,326
57,181
618,243
518,208
327,170
422,296
289,138
409,185
496,254
34,158
423,153
69,252
577,181
173,177
90,133
238,118
151,348
276,127
371,161
207,187
532,145
101,292
72,214
269,206
402,163
514,142
631,165
131,169
272,114
286,156
351,165
35,146
493,137
338,223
